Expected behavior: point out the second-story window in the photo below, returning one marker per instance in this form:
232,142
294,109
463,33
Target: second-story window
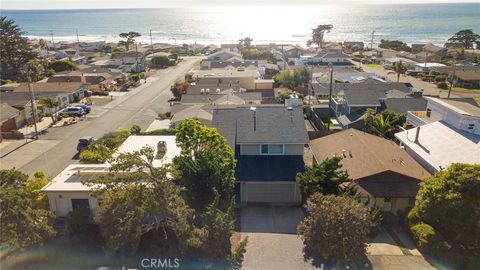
272,149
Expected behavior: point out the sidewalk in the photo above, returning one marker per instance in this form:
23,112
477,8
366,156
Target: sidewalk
29,131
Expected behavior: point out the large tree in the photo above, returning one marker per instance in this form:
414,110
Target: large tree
129,39
318,34
15,51
466,37
24,221
205,165
245,43
448,204
292,79
326,177
384,123
139,198
336,229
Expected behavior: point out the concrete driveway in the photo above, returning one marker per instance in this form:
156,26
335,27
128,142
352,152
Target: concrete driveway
272,238
393,249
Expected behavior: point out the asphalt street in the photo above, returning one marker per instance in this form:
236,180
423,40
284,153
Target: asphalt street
139,107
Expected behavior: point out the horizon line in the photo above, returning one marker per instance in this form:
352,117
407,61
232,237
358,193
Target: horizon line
245,5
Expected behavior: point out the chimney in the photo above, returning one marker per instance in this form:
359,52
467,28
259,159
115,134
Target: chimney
417,133
254,110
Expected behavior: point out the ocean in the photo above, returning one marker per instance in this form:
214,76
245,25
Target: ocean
410,23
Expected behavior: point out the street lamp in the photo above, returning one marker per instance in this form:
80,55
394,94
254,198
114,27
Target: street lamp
330,66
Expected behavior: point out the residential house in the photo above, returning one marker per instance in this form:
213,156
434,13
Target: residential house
201,106
245,78
448,131
291,51
416,48
21,102
343,76
95,80
135,61
230,47
336,58
230,64
8,117
353,46
427,67
269,144
389,63
224,55
463,76
66,192
377,167
66,92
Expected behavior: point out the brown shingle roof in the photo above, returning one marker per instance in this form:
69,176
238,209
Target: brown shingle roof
370,154
50,87
7,112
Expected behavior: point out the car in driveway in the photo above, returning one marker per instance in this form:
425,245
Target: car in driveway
72,111
84,143
86,108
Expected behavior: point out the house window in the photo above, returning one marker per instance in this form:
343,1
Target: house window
272,149
387,199
80,204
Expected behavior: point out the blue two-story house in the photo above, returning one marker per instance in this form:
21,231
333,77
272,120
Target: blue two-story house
269,143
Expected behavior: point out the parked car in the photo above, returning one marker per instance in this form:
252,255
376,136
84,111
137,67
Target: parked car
86,108
73,111
84,143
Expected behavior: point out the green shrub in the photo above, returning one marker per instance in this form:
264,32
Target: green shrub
160,61
440,78
62,65
413,216
423,234
135,130
92,157
114,139
79,222
164,131
443,85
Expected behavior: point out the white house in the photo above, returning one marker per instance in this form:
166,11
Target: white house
447,132
66,192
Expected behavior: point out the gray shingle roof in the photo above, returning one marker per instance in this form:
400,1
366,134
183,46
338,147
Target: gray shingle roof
272,124
403,105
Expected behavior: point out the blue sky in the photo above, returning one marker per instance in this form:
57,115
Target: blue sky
67,4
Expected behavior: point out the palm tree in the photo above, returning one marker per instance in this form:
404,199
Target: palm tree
51,104
399,68
384,123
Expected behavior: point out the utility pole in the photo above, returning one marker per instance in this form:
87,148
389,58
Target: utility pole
151,42
78,39
330,65
310,87
371,43
32,103
136,57
451,84
53,43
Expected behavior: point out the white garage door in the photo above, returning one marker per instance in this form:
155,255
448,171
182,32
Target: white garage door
268,192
